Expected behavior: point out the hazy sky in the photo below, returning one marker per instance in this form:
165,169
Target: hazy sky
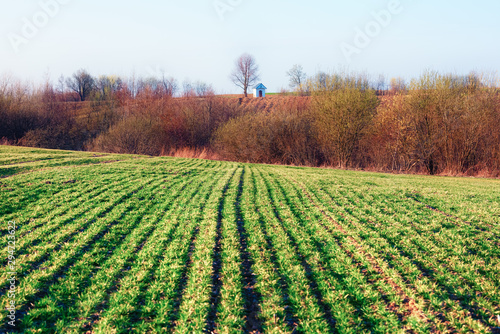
200,39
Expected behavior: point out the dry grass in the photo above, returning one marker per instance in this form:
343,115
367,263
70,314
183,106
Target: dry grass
191,153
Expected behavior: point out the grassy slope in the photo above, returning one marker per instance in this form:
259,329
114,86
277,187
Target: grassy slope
128,243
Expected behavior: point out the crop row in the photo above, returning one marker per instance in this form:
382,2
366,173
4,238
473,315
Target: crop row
48,261
178,245
443,285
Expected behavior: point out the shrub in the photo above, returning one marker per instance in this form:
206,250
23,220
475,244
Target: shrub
134,135
343,113
283,136
443,123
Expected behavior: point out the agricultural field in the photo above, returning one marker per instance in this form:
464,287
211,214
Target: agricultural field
132,244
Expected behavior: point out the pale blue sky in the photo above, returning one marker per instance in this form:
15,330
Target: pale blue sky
191,40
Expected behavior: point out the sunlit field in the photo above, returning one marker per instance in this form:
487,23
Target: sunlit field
132,244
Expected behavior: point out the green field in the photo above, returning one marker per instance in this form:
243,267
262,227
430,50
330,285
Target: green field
130,244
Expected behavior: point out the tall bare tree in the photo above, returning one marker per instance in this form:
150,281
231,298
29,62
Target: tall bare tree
170,85
297,76
82,83
245,73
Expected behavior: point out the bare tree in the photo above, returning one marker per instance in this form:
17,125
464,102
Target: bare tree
170,85
197,88
245,73
61,86
397,84
203,89
321,80
380,85
82,83
297,76
188,89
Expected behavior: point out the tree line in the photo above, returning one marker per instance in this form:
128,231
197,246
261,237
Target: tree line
437,123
